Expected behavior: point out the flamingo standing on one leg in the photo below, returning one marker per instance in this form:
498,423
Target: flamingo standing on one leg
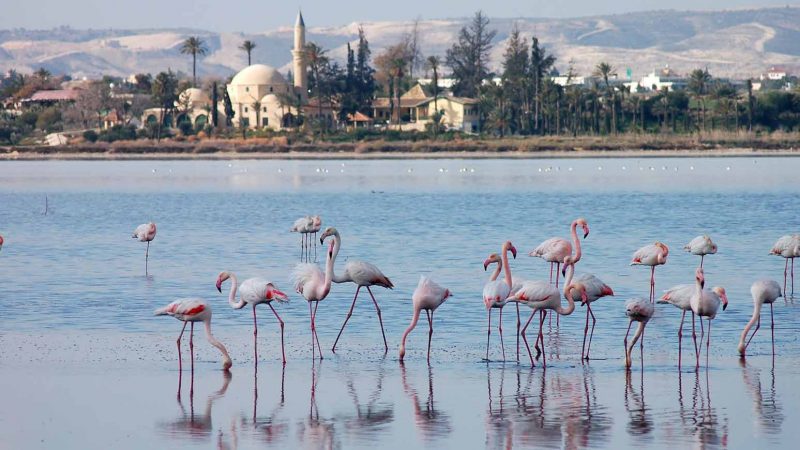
363,274
145,232
254,291
787,247
555,249
701,246
316,225
706,304
496,292
594,289
191,310
428,296
303,225
763,291
651,255
637,310
314,285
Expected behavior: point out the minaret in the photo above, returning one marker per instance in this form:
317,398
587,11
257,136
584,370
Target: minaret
299,64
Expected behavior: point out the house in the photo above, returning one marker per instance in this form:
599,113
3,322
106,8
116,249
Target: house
416,107
774,73
51,97
665,78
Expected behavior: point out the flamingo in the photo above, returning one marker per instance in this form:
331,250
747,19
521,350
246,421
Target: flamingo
495,292
314,285
651,255
363,274
191,310
316,225
303,226
541,296
428,296
706,304
763,291
145,232
254,291
701,246
637,310
555,249
1,242
787,247
680,296
594,289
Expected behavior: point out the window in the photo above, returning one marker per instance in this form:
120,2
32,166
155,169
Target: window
264,109
245,109
270,88
264,122
245,122
247,89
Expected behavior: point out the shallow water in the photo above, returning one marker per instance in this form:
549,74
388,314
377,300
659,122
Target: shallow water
92,368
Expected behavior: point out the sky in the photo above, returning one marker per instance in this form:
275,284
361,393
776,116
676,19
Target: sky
262,15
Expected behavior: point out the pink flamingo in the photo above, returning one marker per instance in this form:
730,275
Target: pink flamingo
191,310
594,289
680,297
314,286
787,247
254,291
363,274
145,232
651,255
303,226
555,249
428,296
637,310
316,225
763,291
541,296
701,246
706,304
1,242
496,292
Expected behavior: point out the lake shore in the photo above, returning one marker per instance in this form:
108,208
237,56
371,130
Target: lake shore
626,146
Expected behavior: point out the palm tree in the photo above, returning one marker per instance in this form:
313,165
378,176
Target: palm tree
397,71
699,81
316,60
433,63
194,46
605,70
42,74
248,47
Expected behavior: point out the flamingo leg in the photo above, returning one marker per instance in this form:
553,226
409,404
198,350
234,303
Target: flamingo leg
147,256
680,339
536,344
551,274
311,320
518,324
180,362
625,341
701,260
525,339
301,247
758,325
558,272
430,332
349,313
708,342
380,319
500,329
792,277
283,351
585,332
488,333
785,272
314,324
541,337
694,336
315,246
191,352
641,349
255,335
591,332
772,327
700,347
652,283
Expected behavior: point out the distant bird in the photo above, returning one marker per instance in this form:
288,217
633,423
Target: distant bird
254,291
763,291
362,274
594,289
555,249
637,310
428,296
541,296
705,304
496,292
701,246
145,232
651,255
1,242
191,310
314,285
787,247
303,226
316,225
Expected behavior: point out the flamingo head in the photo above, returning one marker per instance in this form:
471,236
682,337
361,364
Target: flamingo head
581,289
720,291
447,294
221,279
568,260
227,364
274,294
1,242
663,248
700,277
330,231
585,225
606,290
510,247
317,220
493,258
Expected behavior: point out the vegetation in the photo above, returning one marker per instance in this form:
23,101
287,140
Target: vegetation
248,47
194,46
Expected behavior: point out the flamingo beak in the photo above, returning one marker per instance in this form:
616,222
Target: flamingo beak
219,285
585,232
607,291
584,297
564,270
513,251
486,264
724,302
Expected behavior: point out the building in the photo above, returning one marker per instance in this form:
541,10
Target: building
659,80
416,108
774,74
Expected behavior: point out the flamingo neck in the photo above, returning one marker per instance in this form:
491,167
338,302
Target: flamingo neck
232,294
753,320
568,282
226,358
326,287
506,266
411,326
570,302
575,241
632,342
337,244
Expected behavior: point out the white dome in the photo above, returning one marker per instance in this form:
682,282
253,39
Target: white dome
195,97
270,98
258,74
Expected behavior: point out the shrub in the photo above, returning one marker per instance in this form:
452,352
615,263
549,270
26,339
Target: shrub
90,135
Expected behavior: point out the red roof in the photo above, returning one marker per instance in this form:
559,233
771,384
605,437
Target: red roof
358,117
58,95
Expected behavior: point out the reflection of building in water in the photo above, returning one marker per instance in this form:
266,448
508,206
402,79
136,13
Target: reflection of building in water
196,426
768,410
430,422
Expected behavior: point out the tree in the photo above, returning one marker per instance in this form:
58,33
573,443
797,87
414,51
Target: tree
194,46
316,60
248,46
165,87
365,75
392,64
42,74
605,70
468,58
433,64
540,65
414,53
750,105
515,79
699,81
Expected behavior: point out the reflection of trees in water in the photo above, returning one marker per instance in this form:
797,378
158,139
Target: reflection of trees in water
640,424
374,416
766,406
430,422
316,432
560,410
270,428
196,426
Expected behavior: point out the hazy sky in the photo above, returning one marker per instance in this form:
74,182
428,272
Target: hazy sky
259,15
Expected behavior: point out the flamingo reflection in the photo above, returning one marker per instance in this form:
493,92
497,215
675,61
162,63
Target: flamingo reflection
373,417
315,432
766,404
431,423
640,423
197,426
270,428
701,421
499,429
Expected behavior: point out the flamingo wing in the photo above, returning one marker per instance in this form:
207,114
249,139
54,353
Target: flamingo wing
595,288
553,250
701,245
536,293
495,292
679,296
306,274
366,274
769,290
185,309
429,294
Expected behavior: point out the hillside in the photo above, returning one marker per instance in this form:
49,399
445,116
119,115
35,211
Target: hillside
735,43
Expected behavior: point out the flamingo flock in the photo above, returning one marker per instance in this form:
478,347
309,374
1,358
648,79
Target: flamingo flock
542,297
